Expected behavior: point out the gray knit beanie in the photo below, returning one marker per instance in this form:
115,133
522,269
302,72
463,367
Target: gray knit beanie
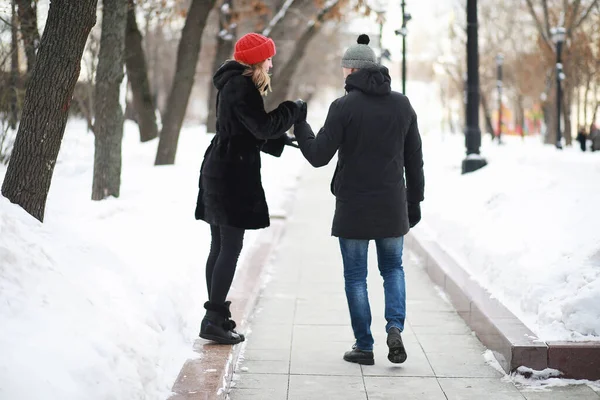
359,55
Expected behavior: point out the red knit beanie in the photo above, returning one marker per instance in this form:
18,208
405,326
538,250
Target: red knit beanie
253,48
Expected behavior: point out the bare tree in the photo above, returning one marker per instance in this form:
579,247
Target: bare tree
137,74
46,107
572,14
187,58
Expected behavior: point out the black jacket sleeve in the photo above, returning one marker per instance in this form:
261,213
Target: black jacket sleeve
413,164
251,112
319,150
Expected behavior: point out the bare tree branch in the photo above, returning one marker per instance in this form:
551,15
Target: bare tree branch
573,16
585,15
538,23
280,14
546,17
8,23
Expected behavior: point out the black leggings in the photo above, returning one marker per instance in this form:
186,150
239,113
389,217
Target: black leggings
225,248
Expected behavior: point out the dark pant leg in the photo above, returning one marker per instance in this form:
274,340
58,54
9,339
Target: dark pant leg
215,247
354,257
232,240
389,257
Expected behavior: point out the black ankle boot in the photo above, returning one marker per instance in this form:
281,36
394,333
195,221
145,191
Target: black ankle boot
397,353
359,356
232,322
217,326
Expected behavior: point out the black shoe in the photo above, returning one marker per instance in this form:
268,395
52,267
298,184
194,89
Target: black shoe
397,353
217,326
359,356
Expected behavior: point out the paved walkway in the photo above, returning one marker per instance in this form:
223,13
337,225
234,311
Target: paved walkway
301,328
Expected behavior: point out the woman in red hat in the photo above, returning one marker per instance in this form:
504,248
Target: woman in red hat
231,197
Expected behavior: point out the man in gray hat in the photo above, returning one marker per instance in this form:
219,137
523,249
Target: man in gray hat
376,133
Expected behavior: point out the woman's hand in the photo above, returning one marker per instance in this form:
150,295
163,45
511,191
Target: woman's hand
303,107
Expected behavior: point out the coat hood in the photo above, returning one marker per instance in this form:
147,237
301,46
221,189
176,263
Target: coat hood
227,71
373,80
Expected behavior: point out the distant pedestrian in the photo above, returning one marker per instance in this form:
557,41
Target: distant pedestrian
582,138
595,137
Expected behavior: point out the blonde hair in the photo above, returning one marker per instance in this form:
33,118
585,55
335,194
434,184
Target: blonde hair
261,79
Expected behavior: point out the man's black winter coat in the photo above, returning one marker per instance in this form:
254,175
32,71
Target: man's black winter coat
378,139
231,192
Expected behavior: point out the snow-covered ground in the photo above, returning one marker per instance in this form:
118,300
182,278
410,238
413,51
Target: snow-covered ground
104,300
527,227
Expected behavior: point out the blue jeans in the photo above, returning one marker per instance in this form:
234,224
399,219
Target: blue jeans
389,258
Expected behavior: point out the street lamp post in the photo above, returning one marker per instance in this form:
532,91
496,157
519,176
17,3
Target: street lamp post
558,36
474,160
499,62
403,31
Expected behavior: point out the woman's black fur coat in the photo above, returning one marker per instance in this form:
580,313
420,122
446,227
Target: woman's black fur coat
231,192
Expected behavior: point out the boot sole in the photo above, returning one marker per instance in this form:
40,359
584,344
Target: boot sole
220,340
361,362
397,353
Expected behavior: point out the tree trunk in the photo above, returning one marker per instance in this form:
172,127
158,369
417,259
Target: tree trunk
551,127
520,120
585,100
14,70
29,31
108,125
287,27
187,58
596,107
487,115
46,106
578,97
283,79
137,74
225,39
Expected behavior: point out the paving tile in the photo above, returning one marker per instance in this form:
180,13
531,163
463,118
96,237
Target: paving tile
311,387
579,392
322,313
322,358
450,344
259,387
307,335
274,311
449,323
264,361
264,367
269,336
405,388
479,388
465,365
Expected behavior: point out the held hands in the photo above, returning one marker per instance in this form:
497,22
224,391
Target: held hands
291,141
303,107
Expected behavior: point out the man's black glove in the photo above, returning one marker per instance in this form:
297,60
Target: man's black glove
291,141
414,214
303,107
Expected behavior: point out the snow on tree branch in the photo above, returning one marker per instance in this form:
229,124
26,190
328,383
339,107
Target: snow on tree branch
280,14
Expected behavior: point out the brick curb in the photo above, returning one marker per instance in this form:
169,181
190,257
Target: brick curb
512,343
206,377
